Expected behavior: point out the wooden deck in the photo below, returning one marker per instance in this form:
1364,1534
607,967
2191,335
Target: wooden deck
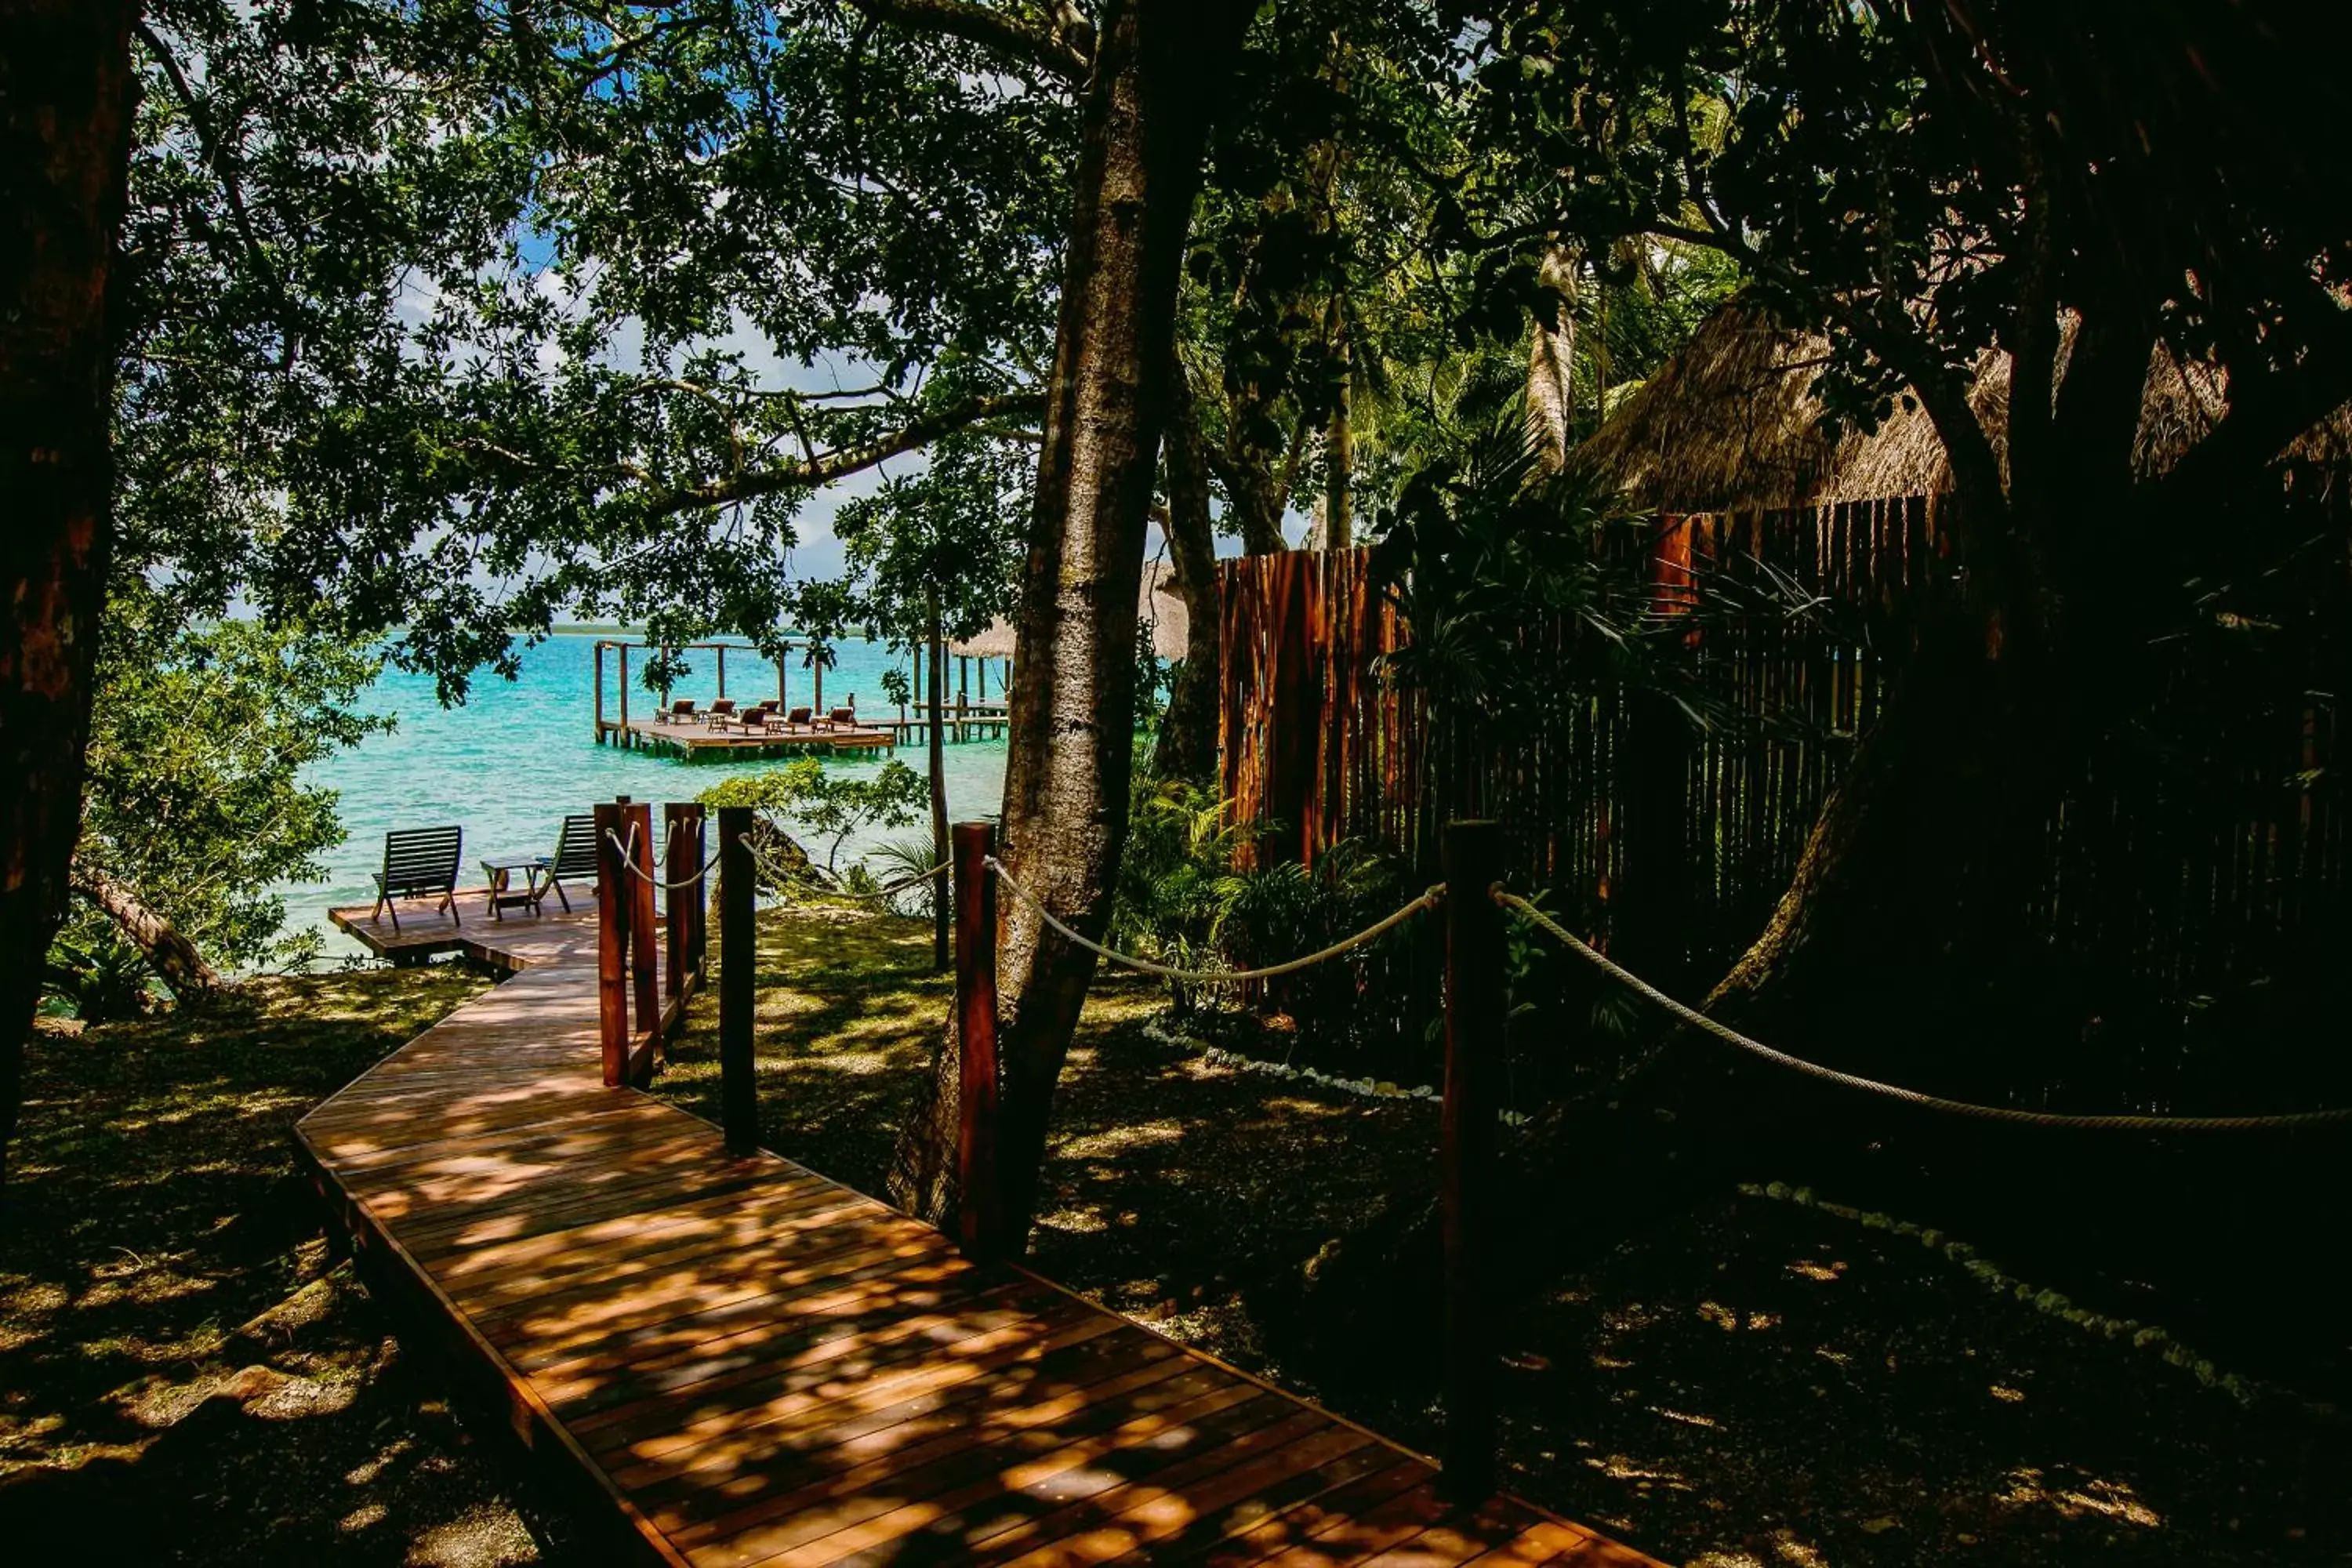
425,932
739,1361
697,743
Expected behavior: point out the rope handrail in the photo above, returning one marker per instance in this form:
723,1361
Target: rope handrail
783,873
629,862
2118,1121
1428,900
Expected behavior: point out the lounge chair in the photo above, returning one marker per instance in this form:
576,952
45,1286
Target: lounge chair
682,711
722,711
842,718
419,861
797,719
574,856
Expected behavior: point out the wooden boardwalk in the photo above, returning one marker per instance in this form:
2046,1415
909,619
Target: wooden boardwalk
739,1361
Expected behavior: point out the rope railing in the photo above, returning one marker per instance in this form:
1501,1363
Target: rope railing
2020,1115
628,850
784,873
1427,900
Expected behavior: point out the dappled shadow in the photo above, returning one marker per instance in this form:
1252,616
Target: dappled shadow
1764,1384
153,1208
849,1013
770,1367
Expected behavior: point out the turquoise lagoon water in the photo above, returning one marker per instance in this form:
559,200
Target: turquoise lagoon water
519,755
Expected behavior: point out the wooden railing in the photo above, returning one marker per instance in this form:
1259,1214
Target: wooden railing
1476,989
640,991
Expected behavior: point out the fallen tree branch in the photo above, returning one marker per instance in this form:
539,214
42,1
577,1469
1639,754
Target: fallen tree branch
172,956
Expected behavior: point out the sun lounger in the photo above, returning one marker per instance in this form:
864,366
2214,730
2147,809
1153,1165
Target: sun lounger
797,719
418,862
722,711
574,856
682,711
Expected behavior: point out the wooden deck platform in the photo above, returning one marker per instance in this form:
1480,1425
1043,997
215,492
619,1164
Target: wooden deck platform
425,932
698,743
739,1361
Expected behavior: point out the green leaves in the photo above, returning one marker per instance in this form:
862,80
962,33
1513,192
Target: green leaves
830,806
195,796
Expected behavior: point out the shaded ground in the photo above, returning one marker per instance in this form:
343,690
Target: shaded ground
185,1372
1768,1383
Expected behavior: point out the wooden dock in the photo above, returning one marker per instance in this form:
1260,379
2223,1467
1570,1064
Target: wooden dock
738,1360
708,742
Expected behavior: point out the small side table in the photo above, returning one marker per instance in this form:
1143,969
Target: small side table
504,894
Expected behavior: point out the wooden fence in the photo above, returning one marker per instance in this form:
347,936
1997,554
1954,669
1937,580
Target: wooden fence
2206,840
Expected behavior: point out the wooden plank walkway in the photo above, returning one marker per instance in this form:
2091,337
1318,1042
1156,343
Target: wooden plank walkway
741,1362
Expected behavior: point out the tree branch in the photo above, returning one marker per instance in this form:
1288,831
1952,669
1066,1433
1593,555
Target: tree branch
1054,54
2265,415
216,158
823,468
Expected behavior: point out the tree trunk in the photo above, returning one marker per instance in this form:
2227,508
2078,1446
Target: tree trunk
66,95
1258,489
1551,356
935,749
1912,881
1188,733
172,956
1339,444
1159,67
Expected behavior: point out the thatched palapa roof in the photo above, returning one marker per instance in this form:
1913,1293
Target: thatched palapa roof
1731,423
1158,606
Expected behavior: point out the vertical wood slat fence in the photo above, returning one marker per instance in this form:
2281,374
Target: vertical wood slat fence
2168,877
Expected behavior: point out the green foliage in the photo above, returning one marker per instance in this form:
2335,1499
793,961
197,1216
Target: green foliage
1183,901
831,806
1931,183
905,859
441,319
196,798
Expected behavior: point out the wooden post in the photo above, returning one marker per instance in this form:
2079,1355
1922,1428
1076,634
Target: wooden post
612,946
600,691
624,691
816,705
784,698
722,670
738,1107
698,842
1476,1006
980,1212
682,839
645,946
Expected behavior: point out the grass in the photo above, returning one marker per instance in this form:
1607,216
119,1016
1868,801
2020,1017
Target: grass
186,1373
1766,1383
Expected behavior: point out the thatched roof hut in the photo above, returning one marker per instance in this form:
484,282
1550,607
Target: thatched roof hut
1158,606
1731,423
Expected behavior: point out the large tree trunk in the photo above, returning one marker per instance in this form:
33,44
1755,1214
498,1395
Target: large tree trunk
1188,733
1159,67
66,97
1910,878
173,957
